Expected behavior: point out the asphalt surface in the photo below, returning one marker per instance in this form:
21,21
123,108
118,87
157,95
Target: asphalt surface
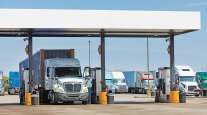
126,104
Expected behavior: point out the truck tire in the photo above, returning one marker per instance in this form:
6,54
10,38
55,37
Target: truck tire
52,97
44,96
197,95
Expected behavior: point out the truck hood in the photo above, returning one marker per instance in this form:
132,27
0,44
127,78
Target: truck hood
190,83
71,79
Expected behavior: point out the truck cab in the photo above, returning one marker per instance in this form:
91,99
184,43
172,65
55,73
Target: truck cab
187,77
64,81
1,87
147,81
119,82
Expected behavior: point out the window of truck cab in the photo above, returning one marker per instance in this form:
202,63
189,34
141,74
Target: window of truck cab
67,72
187,78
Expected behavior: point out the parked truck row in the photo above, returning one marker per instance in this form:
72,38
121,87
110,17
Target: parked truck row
57,77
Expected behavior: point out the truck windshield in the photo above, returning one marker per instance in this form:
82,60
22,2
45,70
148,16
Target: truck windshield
187,78
116,81
145,83
67,71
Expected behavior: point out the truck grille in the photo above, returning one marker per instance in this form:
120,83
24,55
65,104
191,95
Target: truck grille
72,88
122,87
191,88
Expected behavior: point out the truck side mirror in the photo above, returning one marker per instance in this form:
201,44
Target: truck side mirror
86,72
48,72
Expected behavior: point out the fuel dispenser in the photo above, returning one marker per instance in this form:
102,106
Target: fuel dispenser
25,96
163,85
93,76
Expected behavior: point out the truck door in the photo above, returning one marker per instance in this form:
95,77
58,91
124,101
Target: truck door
49,78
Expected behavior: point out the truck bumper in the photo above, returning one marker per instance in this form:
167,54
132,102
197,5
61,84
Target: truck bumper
64,97
193,93
121,90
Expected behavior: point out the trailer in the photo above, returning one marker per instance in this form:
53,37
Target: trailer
56,76
201,78
14,83
137,81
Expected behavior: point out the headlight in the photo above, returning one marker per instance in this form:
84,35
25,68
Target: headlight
116,87
84,89
59,83
58,87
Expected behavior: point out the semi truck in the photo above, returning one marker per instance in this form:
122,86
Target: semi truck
14,85
109,81
187,77
119,82
1,84
56,76
138,81
201,78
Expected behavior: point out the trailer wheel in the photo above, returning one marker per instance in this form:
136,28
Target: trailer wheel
52,97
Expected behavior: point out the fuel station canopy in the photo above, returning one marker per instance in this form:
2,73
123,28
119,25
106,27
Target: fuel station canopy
97,23
88,23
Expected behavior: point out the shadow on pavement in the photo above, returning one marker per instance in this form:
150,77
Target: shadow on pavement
132,102
5,104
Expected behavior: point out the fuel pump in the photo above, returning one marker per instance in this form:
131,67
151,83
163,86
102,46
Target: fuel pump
93,76
163,85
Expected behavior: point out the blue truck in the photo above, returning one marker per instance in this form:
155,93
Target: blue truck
14,83
137,81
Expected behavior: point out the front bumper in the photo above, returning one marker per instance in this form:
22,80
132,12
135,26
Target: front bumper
1,92
121,90
190,93
64,97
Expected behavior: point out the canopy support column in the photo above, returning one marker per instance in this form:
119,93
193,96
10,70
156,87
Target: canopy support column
172,61
102,35
30,47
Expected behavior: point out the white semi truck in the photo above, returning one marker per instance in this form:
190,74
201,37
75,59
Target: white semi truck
187,77
119,82
1,84
57,76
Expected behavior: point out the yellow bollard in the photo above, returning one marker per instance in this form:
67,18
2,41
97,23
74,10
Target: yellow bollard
28,99
103,98
174,97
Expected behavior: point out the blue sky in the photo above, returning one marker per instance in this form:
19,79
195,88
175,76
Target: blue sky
121,54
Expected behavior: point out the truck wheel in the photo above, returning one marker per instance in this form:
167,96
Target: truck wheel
197,95
84,102
52,97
